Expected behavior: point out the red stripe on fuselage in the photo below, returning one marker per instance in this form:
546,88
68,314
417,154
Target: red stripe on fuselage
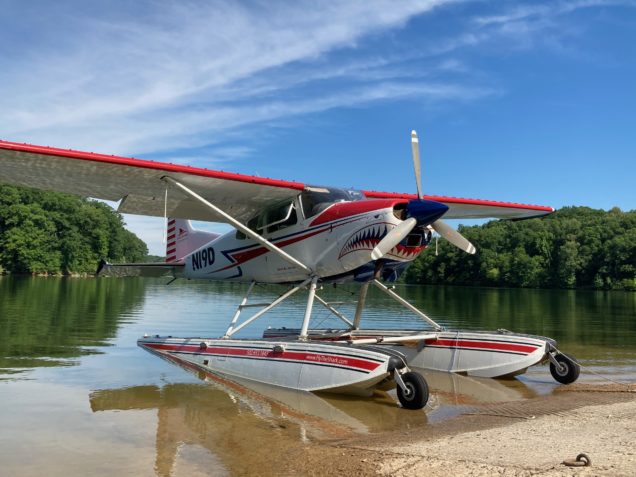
243,257
305,356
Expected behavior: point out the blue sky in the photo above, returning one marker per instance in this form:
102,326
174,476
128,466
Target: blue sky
516,101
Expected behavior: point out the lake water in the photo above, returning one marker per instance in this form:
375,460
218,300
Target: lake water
80,398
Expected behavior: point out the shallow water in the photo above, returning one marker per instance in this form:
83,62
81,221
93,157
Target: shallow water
79,397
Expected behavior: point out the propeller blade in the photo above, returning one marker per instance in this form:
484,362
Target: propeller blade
415,148
393,238
453,236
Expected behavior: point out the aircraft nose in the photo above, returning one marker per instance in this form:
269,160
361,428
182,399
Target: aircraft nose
425,211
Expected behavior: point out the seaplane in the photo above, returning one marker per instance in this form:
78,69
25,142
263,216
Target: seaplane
300,236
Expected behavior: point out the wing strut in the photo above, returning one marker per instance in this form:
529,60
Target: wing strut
239,226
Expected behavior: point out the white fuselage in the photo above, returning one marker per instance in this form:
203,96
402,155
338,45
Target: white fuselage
333,242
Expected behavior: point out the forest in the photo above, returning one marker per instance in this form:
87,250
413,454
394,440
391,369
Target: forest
575,247
45,232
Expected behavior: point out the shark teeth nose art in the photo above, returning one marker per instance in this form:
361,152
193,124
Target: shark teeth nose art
368,237
364,239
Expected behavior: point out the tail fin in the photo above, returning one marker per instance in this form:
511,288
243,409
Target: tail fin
183,239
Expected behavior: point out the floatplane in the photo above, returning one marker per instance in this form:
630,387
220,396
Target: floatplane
299,236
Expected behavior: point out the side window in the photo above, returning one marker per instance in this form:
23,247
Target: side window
280,216
275,218
251,224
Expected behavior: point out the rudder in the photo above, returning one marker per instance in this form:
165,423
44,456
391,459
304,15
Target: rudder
183,239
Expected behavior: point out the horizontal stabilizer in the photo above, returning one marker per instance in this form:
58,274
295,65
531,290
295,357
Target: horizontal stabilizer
160,269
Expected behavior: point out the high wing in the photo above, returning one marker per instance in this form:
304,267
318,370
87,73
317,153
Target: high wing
138,183
460,208
139,186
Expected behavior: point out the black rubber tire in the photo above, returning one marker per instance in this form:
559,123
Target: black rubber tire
418,395
569,371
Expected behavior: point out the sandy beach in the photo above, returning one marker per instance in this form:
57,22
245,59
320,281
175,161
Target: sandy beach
532,437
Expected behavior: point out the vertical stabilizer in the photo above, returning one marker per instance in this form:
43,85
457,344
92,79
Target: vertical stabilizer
183,239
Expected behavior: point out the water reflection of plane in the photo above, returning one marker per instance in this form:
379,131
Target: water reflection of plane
245,425
458,390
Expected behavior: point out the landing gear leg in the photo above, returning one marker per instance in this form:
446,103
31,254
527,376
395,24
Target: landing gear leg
412,389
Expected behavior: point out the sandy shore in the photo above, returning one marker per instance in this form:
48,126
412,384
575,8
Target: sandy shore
532,437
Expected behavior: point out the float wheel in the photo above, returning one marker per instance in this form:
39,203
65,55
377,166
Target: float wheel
568,370
417,395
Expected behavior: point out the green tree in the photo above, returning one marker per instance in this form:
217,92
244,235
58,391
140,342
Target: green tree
51,232
574,247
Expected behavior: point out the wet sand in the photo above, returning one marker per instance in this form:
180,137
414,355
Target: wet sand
530,437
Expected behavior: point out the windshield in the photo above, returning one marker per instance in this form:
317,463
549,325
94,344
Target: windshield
316,199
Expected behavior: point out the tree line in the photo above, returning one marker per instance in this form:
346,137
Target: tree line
575,247
45,232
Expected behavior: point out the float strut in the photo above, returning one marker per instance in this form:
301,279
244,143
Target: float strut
361,300
310,304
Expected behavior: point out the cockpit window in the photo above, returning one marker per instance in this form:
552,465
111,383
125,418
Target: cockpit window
280,217
314,200
276,217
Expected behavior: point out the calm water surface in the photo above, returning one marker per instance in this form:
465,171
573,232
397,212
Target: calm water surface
80,398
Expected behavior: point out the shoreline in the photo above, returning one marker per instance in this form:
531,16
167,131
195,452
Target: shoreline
531,437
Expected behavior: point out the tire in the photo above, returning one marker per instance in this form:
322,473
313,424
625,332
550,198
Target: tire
569,371
418,395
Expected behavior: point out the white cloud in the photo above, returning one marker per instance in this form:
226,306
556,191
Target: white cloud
523,12
525,25
169,75
153,76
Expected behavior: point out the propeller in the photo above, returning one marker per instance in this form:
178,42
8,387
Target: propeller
453,236
421,211
415,149
394,237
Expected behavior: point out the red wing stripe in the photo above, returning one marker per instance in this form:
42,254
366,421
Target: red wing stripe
455,200
145,164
